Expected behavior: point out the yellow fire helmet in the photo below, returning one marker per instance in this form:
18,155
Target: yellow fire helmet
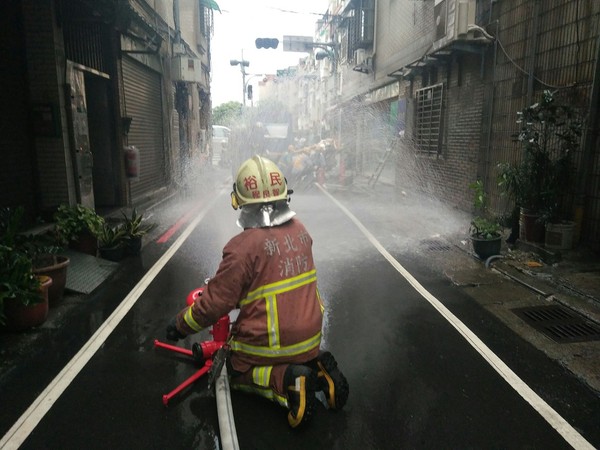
258,180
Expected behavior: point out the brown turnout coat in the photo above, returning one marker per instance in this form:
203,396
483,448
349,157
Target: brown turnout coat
269,274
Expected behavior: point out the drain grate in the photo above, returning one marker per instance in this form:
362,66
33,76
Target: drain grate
559,324
87,272
435,245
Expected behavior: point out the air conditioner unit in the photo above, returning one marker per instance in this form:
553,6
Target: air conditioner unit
185,68
464,15
452,19
359,56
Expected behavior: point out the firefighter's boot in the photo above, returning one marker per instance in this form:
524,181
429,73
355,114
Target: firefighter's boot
332,381
301,385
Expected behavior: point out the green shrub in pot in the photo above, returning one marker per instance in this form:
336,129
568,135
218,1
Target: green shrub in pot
135,230
549,134
73,221
41,248
484,230
17,280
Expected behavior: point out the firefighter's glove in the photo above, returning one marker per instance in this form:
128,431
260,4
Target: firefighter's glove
173,334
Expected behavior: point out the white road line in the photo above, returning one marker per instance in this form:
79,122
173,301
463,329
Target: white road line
42,404
570,435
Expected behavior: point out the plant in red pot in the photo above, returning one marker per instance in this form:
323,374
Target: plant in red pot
23,295
41,247
78,227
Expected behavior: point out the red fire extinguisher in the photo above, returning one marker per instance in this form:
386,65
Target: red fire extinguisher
132,162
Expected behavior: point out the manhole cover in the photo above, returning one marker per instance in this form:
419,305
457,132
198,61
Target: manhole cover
559,324
435,245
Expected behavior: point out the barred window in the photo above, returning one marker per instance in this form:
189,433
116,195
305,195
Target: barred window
206,21
428,126
358,27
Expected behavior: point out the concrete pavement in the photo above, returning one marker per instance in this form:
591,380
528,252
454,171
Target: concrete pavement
519,279
551,299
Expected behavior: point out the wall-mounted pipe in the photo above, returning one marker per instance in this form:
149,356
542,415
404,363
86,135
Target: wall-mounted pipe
533,51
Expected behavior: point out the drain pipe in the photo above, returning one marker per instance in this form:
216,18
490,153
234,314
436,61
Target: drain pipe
590,144
227,429
518,280
531,59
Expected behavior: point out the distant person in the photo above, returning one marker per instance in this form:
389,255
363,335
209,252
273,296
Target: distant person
300,166
268,272
257,139
286,160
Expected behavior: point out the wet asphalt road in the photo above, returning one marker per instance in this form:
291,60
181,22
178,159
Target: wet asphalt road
415,382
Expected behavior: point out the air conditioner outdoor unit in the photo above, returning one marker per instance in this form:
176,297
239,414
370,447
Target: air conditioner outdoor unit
452,19
464,15
359,56
185,68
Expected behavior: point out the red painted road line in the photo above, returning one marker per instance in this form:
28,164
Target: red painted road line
171,231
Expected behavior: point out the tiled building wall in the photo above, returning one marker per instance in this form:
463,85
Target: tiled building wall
16,169
45,66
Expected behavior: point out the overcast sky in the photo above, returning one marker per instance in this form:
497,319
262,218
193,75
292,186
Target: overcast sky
238,26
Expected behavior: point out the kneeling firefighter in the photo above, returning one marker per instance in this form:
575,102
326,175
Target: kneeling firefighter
268,272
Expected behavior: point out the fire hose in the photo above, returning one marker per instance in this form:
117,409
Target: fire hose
210,352
227,429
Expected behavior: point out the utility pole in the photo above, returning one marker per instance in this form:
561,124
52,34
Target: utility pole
243,64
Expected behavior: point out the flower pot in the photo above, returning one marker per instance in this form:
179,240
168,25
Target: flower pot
484,248
531,229
20,317
134,246
85,243
114,254
54,266
559,236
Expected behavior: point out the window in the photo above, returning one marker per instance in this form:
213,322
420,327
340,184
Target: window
206,20
428,127
358,27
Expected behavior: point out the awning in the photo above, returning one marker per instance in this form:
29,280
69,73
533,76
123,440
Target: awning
211,4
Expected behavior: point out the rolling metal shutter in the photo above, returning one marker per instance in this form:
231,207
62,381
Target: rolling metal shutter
143,103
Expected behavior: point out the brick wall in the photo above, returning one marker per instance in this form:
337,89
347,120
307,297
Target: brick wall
464,102
448,175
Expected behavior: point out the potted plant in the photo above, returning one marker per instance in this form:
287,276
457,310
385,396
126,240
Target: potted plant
135,230
549,133
40,248
78,227
485,231
23,295
46,259
56,267
111,242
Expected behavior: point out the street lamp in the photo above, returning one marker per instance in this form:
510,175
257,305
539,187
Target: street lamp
242,63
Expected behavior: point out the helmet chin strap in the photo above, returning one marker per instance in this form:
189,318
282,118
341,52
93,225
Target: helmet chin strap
235,203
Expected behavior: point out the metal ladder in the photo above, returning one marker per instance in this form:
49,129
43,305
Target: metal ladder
376,174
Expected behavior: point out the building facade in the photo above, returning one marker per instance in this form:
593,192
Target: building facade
90,80
438,85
